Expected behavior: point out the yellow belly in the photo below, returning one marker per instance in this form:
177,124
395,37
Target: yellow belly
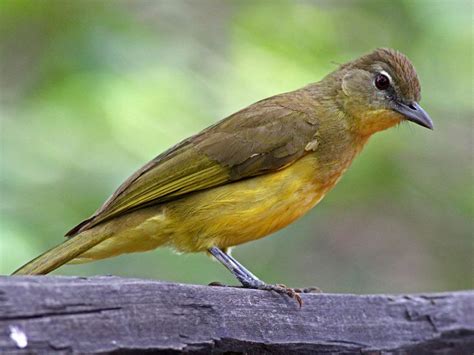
225,216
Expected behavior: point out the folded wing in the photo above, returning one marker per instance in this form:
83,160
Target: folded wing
259,139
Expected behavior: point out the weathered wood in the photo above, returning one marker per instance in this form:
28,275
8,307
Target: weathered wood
103,314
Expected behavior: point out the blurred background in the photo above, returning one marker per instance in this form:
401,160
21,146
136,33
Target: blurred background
91,90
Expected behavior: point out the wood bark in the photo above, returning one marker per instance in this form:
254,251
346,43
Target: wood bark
49,314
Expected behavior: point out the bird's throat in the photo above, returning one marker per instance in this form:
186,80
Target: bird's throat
375,121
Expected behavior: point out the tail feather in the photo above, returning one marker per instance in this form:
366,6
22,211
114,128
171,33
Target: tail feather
61,254
80,227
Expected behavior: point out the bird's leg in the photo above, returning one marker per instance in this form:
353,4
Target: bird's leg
249,280
246,278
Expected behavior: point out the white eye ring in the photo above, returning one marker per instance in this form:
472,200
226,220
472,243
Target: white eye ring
387,75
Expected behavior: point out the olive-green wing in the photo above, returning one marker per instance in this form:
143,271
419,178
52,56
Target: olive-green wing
261,138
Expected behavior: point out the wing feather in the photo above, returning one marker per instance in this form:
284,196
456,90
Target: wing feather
264,137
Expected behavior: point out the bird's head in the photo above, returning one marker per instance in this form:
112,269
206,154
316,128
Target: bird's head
380,90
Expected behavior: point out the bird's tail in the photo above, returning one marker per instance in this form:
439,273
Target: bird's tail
61,254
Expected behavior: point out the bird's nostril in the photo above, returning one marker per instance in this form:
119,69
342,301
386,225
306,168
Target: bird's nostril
413,107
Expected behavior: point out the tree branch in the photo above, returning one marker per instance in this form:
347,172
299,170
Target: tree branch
102,314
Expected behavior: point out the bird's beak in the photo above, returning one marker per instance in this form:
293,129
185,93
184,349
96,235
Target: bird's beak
414,113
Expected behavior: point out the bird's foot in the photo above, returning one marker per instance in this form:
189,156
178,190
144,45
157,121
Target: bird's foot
216,283
281,289
313,289
278,288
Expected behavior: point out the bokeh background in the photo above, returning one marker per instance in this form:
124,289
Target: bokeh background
91,90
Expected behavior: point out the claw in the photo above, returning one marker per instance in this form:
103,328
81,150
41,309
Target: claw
313,289
299,300
283,290
216,284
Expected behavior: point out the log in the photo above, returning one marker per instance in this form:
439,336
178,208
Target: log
46,314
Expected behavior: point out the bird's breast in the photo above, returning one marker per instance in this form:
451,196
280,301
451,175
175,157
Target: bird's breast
249,209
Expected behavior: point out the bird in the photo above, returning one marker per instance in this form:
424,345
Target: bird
250,174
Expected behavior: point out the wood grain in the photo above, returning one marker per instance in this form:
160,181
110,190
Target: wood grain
111,314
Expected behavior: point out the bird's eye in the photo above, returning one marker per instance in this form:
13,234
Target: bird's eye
382,82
